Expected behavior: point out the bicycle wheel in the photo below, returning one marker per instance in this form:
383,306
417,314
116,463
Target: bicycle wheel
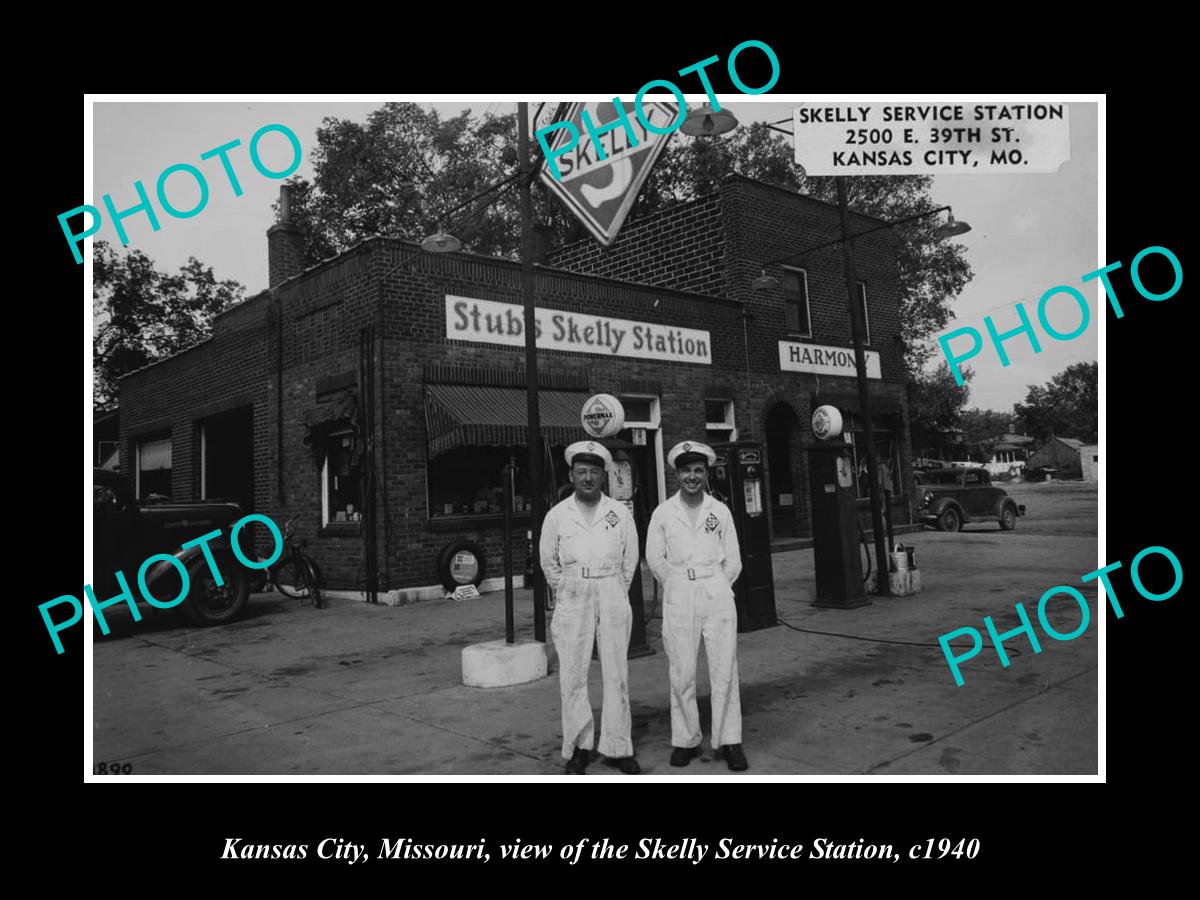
293,579
314,581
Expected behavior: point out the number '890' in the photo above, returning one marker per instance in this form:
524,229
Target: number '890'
112,769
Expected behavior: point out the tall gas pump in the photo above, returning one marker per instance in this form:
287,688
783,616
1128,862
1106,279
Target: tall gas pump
736,479
834,515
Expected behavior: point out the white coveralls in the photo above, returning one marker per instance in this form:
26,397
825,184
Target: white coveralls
697,567
590,568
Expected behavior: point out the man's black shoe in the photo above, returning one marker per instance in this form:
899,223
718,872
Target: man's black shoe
735,757
577,764
681,756
627,764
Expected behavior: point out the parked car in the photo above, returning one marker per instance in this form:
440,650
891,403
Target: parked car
127,531
951,497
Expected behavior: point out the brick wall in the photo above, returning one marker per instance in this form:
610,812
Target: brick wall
699,256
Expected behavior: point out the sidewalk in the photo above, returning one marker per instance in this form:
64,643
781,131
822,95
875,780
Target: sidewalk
360,689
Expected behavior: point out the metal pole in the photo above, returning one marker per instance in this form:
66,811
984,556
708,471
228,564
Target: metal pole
864,399
536,512
509,628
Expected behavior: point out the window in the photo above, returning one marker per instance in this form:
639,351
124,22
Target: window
340,480
153,470
862,305
887,451
104,449
469,481
718,419
973,478
795,301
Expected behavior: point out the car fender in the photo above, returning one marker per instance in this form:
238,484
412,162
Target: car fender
999,509
941,504
191,557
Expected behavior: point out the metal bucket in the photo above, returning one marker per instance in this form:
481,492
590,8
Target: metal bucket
901,560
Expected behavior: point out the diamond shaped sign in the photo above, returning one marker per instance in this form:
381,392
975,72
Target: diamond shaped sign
600,192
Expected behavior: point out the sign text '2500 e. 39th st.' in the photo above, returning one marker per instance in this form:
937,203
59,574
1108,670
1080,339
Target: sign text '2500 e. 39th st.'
492,322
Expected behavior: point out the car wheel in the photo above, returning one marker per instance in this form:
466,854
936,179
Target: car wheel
1008,517
211,604
949,520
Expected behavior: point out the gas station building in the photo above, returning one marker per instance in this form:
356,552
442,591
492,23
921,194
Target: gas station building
415,362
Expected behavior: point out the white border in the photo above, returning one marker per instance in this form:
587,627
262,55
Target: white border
88,192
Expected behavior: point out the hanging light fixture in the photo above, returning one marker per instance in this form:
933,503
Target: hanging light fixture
764,282
951,228
704,121
441,242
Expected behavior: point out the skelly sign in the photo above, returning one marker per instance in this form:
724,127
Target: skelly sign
491,322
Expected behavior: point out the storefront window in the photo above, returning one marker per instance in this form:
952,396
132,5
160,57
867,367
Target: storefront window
468,481
340,481
887,450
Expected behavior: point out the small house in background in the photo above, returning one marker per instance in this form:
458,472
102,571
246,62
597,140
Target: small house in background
1089,458
1061,455
1009,455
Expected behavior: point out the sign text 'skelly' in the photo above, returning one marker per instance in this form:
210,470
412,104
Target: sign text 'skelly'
491,322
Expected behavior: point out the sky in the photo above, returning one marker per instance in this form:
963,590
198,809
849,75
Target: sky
1029,232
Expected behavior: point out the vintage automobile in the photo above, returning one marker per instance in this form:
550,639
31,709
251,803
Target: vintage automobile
950,497
127,531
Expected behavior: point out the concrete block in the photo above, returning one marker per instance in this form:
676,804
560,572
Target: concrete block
901,584
498,663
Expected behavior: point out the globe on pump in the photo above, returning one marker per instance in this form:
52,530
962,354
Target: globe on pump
602,416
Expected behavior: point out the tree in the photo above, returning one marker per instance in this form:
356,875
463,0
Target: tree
142,315
1068,405
935,404
981,429
402,173
405,170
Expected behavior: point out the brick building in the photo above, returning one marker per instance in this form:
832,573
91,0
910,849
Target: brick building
270,409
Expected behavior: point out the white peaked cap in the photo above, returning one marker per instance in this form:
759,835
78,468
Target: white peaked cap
687,448
588,448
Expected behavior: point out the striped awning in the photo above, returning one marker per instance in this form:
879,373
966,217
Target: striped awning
459,415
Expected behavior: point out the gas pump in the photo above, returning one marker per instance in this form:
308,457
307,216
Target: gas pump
736,480
834,516
623,487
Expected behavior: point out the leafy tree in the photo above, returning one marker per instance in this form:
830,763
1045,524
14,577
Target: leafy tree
406,169
982,428
142,315
935,404
401,173
1068,405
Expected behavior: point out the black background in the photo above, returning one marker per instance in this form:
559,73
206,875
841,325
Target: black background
138,830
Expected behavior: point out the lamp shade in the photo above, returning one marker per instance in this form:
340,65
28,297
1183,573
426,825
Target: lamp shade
952,228
764,282
441,243
704,121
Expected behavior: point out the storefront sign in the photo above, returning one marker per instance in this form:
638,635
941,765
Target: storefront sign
822,360
490,322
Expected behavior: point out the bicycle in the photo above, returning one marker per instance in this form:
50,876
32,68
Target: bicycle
296,575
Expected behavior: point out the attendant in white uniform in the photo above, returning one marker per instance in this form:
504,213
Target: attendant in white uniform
589,553
692,549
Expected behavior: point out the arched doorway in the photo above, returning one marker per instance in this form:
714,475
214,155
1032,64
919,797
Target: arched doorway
781,425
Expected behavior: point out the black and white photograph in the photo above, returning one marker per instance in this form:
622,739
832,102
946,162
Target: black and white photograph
744,435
